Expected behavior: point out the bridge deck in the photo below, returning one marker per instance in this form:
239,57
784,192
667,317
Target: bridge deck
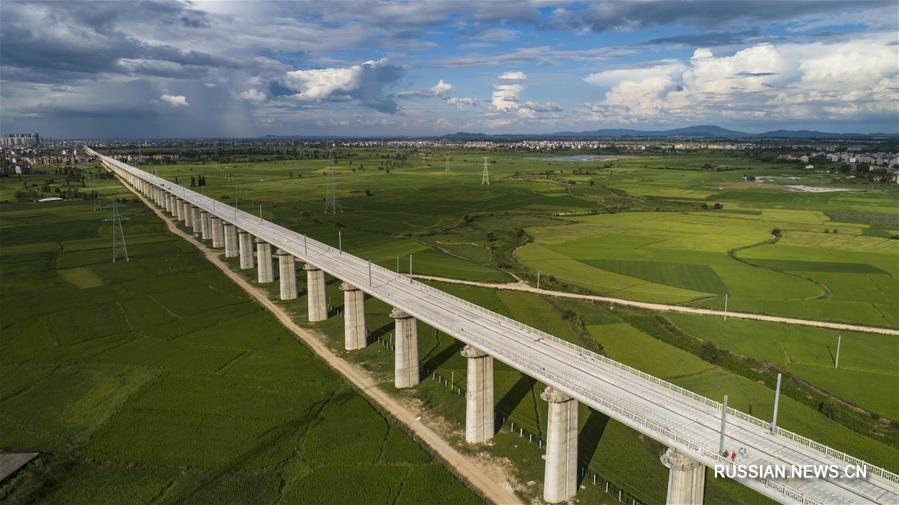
673,416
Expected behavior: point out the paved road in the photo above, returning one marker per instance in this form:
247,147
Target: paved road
663,411
659,307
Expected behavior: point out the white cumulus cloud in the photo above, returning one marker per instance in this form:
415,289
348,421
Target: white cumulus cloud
506,91
175,100
253,95
774,81
442,89
363,83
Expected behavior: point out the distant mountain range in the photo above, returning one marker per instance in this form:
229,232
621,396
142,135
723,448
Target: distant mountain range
689,132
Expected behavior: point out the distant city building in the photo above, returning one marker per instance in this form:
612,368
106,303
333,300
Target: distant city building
20,139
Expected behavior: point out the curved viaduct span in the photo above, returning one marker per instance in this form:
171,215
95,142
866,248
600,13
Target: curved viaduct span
690,425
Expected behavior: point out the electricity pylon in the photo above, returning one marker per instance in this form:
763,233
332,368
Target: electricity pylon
485,179
119,248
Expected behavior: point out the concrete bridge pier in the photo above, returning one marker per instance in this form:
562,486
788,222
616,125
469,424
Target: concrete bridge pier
560,481
184,212
405,361
478,396
195,219
246,250
205,228
354,334
218,232
230,233
168,202
264,273
315,293
287,274
176,208
686,478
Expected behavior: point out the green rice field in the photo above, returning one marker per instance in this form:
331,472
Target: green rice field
159,381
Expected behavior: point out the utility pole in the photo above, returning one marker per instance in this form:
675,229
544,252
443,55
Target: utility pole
776,402
332,203
410,269
836,361
723,423
538,279
725,306
485,178
339,242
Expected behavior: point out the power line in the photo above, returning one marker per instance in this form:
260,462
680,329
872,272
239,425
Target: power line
485,178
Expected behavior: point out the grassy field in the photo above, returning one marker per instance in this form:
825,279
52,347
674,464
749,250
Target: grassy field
633,227
697,257
865,358
159,381
652,240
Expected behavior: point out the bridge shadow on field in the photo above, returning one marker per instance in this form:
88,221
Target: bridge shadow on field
506,405
589,437
436,361
379,332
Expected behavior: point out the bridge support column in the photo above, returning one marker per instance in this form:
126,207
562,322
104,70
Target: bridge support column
478,396
168,202
405,353
230,233
205,228
218,232
315,293
560,482
264,272
287,274
195,219
686,478
246,250
184,212
176,208
354,334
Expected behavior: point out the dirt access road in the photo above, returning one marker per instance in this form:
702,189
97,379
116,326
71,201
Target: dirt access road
521,286
489,480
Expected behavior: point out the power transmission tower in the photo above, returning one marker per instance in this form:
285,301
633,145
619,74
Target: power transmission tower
485,179
119,249
332,203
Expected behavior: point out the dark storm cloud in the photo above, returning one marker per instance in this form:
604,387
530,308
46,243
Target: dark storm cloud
76,39
706,39
706,14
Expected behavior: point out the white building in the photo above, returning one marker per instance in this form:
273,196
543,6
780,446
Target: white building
20,139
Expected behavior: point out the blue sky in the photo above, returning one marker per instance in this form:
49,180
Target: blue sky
219,69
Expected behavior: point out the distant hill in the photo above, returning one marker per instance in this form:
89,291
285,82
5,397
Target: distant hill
689,132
